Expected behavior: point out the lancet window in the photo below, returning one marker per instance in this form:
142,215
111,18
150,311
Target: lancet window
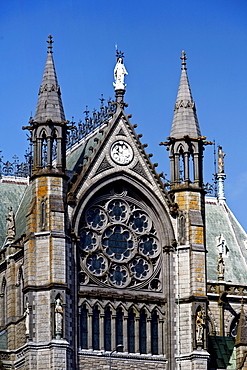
138,330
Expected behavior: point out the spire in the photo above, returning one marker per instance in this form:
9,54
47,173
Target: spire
49,104
185,119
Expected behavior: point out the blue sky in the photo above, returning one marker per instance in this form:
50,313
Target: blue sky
152,35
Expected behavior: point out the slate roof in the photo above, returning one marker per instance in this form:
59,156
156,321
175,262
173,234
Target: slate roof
223,354
220,220
49,104
12,190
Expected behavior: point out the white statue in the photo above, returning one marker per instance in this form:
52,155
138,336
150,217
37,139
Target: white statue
27,318
58,318
119,73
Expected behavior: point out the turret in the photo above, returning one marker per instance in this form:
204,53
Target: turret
49,126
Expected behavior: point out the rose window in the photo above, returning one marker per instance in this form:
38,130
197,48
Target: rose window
119,244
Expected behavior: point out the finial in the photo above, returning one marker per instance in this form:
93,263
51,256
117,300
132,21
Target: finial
50,42
183,58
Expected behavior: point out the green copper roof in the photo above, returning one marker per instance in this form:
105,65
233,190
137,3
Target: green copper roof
220,220
11,193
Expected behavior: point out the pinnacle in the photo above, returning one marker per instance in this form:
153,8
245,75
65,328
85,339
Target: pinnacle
49,104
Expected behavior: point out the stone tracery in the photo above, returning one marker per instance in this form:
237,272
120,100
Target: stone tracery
119,243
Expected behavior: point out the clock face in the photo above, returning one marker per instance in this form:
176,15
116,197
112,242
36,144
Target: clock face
121,152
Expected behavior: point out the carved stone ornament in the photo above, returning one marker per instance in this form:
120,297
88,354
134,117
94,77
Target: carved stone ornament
121,152
10,217
200,326
58,318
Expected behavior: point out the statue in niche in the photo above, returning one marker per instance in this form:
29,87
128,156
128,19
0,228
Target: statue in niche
10,217
221,155
119,73
58,318
200,325
27,319
221,267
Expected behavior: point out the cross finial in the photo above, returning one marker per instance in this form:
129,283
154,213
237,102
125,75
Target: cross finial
183,58
50,42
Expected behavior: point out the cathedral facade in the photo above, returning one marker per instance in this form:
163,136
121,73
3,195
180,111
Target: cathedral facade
106,265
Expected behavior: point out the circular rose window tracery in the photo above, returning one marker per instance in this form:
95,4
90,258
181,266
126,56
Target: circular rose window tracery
119,243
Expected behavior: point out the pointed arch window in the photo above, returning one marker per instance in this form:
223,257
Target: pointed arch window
143,332
84,327
107,329
119,327
154,334
131,331
95,331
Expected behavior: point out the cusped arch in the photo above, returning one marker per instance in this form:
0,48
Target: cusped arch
121,307
84,303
